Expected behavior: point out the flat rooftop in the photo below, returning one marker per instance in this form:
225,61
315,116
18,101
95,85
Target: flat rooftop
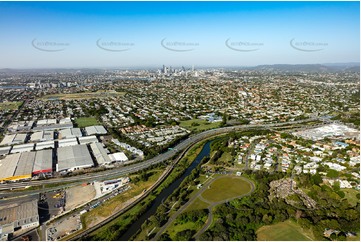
5,150
43,162
330,130
44,145
74,157
19,214
68,142
97,129
8,166
25,164
22,148
100,153
70,133
88,139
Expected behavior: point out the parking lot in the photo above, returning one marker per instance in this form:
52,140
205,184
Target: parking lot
51,204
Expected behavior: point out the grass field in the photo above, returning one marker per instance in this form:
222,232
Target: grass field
226,188
202,125
83,95
196,205
286,231
86,121
10,105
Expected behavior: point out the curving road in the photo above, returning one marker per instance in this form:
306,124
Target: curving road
139,166
210,207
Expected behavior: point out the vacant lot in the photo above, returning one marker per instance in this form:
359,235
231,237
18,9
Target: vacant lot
226,157
10,105
86,121
82,95
198,125
226,188
120,201
65,227
288,230
78,195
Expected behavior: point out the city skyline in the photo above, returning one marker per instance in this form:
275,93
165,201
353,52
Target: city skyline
145,34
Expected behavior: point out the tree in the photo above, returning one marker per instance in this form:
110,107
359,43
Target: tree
316,179
333,173
194,124
336,186
165,237
185,235
224,119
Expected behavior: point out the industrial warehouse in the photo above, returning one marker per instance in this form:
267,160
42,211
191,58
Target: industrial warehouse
22,166
72,151
18,216
74,157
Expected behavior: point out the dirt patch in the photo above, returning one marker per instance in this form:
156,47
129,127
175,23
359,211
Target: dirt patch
64,228
78,195
286,189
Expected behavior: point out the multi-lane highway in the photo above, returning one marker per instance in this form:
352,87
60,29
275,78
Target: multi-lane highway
138,166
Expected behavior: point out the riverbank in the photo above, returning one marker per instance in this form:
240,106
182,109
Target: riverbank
123,222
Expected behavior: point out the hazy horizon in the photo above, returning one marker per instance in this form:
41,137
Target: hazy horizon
50,35
348,64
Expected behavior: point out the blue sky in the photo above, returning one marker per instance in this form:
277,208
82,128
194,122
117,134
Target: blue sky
130,34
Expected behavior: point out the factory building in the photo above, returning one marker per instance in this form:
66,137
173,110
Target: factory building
70,133
13,139
44,145
65,121
51,124
22,148
46,135
118,157
22,126
97,129
17,166
68,142
88,139
43,162
18,216
74,157
46,122
25,165
100,154
5,150
8,139
8,167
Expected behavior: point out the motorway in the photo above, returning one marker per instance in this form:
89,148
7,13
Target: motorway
121,171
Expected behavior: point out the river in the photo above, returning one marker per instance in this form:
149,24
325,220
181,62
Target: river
164,194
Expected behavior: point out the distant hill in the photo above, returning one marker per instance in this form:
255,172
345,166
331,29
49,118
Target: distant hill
349,67
326,67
